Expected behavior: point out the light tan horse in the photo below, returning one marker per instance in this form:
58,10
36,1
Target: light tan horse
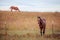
14,8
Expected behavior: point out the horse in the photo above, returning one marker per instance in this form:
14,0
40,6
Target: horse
14,8
42,25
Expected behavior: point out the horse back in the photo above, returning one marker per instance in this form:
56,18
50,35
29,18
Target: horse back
43,22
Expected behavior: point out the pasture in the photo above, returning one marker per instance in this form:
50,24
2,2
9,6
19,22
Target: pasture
24,25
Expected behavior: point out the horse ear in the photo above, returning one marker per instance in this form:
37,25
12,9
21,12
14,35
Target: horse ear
38,17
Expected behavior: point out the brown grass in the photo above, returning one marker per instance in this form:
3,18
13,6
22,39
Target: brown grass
24,25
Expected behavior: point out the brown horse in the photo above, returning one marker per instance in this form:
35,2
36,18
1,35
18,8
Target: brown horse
14,8
42,25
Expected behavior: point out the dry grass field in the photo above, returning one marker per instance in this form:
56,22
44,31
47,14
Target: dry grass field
24,25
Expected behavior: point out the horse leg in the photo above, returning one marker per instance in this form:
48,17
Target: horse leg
41,31
44,30
11,10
